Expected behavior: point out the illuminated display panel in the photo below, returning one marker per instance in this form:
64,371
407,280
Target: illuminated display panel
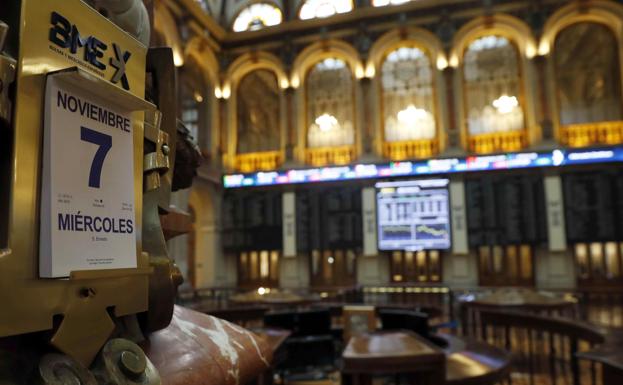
555,158
413,215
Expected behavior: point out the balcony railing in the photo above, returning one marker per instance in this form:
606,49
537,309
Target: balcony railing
330,155
258,161
411,149
498,142
588,134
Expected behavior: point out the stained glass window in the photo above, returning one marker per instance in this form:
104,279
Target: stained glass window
258,109
587,74
329,91
257,16
381,3
312,9
492,86
408,98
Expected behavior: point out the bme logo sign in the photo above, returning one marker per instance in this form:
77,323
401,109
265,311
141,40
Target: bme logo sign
65,35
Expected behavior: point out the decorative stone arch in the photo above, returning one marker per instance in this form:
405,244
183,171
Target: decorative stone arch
253,61
503,25
321,50
518,33
242,66
165,27
233,12
407,37
412,36
303,63
198,50
607,13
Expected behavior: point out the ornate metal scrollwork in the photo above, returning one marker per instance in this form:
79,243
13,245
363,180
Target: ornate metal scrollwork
59,369
122,362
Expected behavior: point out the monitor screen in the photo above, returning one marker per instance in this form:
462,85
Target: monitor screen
413,215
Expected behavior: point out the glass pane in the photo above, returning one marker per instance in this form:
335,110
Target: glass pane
581,257
264,264
587,74
327,268
257,16
597,259
511,262
484,254
258,111
339,265
255,269
274,265
350,263
612,260
244,266
330,114
422,266
397,260
315,262
397,266
193,106
189,114
526,262
408,97
410,270
498,260
324,8
434,265
492,86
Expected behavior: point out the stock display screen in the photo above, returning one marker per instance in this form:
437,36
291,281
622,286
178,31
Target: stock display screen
413,215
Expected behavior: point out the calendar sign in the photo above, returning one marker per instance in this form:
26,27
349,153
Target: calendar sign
87,193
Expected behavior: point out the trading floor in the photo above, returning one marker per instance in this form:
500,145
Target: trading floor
311,192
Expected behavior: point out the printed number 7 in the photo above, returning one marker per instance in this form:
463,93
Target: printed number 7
105,143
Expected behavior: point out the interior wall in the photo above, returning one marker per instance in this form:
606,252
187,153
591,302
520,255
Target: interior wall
460,270
294,272
373,270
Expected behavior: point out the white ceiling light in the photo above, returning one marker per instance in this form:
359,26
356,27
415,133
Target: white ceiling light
326,122
505,104
411,114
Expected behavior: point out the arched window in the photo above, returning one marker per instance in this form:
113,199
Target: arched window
257,16
330,115
491,73
408,102
587,74
194,107
312,9
381,3
258,112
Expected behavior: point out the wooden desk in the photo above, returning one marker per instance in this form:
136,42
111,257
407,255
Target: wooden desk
393,353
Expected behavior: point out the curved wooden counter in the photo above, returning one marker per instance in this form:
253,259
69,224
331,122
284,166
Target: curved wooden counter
200,349
470,362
